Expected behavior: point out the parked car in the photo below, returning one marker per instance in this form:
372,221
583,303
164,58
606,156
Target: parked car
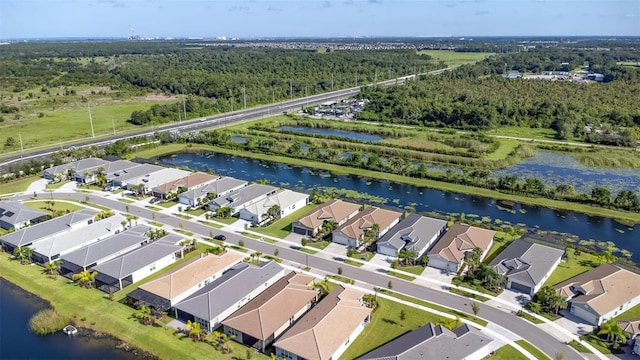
220,237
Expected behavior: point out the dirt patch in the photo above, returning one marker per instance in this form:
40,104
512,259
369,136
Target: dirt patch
160,97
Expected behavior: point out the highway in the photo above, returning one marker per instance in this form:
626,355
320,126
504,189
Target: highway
547,343
211,121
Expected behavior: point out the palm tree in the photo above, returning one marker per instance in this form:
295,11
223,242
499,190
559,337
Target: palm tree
23,254
52,268
225,342
615,333
217,336
195,331
145,315
323,286
85,278
473,261
557,302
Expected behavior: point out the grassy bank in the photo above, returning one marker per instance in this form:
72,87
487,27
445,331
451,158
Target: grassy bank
440,185
91,309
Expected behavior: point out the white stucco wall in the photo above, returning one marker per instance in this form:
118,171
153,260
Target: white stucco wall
153,268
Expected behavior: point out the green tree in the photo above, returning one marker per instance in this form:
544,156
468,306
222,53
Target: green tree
196,333
23,254
85,278
601,195
615,334
52,269
475,308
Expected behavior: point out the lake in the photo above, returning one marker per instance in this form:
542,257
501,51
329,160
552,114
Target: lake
18,342
407,197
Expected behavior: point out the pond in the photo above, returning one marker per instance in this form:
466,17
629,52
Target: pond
18,342
332,132
555,169
417,199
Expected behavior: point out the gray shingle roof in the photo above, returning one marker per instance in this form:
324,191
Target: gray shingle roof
15,213
224,292
244,196
109,247
79,167
45,229
431,342
125,265
415,231
63,243
218,187
526,262
133,172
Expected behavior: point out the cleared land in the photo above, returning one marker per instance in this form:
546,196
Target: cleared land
454,58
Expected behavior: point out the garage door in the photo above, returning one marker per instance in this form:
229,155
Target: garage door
522,288
300,231
584,314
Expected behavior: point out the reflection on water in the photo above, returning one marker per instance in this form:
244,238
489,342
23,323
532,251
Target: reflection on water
332,132
418,199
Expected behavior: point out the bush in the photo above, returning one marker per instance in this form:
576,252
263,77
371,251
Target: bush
47,321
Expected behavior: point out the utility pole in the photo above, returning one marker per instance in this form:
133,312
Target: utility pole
356,79
291,88
91,120
60,139
331,81
244,95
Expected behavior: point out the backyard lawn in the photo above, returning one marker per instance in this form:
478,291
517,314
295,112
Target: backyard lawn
281,228
572,266
506,352
386,325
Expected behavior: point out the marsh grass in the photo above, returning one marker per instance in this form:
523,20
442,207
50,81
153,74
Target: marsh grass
47,321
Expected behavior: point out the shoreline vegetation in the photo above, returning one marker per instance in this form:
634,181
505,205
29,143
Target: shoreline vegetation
624,217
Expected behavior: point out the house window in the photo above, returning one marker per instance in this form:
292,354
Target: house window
287,355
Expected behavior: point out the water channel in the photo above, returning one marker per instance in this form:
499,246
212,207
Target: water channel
419,199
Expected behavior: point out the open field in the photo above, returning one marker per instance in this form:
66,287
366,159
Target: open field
18,185
386,325
454,58
539,133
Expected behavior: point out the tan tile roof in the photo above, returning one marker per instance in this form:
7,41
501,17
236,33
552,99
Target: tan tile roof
267,312
188,182
190,274
461,238
321,331
607,287
632,326
356,226
335,210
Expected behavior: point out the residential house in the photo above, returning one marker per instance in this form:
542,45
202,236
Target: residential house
137,264
414,233
351,233
40,231
526,265
218,188
103,250
337,211
600,294
326,330
266,316
288,201
90,175
189,182
128,177
243,197
55,246
210,305
153,179
632,327
451,250
69,170
169,289
435,342
14,215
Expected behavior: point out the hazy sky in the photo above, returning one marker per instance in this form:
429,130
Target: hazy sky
315,18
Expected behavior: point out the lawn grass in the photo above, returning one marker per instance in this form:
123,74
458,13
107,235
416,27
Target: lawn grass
127,201
386,325
164,150
281,228
308,251
184,232
365,256
341,278
632,217
532,319
155,223
496,249
18,185
401,275
507,352
416,270
318,244
58,206
227,221
454,58
196,212
436,307
166,204
212,224
58,185
596,342
468,294
532,349
572,266
108,316
352,263
579,347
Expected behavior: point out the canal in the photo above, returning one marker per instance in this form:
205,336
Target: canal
421,200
